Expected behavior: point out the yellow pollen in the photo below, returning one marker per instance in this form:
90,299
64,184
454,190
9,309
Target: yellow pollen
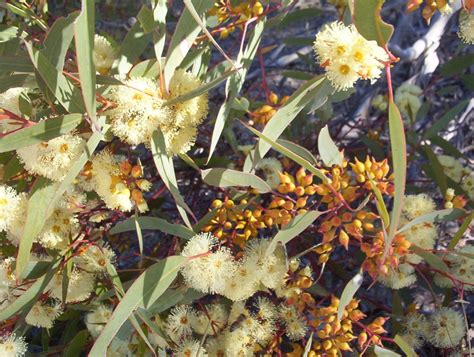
344,69
340,50
3,202
358,56
63,148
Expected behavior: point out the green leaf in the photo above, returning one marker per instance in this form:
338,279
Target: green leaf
434,169
235,82
290,154
159,32
165,167
399,158
221,177
348,293
77,344
299,150
38,201
433,260
315,91
31,295
368,22
443,122
68,95
16,80
444,215
184,35
300,16
59,39
308,346
145,290
380,203
296,226
133,46
84,30
43,131
329,152
459,234
205,88
383,352
154,223
16,64
404,346
457,65
149,68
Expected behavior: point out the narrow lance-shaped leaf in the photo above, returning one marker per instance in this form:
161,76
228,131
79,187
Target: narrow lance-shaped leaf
235,82
316,90
63,89
443,215
38,201
184,35
296,226
348,293
165,167
153,223
43,131
290,154
329,152
399,158
221,177
28,298
404,346
459,234
146,289
84,35
132,47
432,259
59,39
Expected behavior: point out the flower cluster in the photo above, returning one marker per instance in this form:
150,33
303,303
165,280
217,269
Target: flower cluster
263,114
225,10
141,108
347,56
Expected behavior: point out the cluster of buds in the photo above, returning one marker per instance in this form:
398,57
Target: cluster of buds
224,10
453,201
340,182
235,223
263,114
375,263
131,182
324,252
372,172
372,332
333,335
430,7
347,224
295,192
299,277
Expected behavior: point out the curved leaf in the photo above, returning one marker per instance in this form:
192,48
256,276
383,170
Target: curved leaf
316,90
296,226
329,152
443,215
221,177
153,223
399,158
38,202
42,131
165,167
145,290
369,23
84,29
348,293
